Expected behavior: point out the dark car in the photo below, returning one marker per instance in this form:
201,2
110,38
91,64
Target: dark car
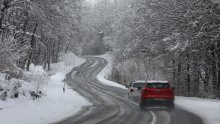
157,93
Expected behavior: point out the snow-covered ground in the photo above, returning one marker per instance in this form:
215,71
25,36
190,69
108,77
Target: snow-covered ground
54,106
107,71
207,109
58,105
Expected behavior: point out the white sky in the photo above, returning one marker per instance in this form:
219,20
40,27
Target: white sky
92,1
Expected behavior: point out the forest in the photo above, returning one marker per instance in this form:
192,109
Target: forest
175,40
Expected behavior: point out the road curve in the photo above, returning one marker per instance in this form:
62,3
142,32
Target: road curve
111,105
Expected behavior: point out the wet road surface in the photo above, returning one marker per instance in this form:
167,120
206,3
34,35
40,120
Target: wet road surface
111,104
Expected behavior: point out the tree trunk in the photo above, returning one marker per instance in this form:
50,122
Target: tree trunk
179,68
67,47
146,66
216,70
188,75
48,55
32,47
45,60
2,16
174,70
6,6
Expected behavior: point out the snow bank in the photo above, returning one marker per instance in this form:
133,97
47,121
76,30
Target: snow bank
67,62
207,109
29,81
55,106
107,71
37,77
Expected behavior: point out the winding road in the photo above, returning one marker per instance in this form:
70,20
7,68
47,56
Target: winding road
111,105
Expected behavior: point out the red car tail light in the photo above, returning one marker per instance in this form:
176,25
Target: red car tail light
144,92
131,90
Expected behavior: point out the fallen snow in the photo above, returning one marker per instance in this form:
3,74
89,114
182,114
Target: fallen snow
67,62
58,105
55,106
207,109
107,71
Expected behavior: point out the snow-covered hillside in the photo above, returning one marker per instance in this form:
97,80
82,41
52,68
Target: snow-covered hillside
103,75
55,105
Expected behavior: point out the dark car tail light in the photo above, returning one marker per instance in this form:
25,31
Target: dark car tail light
131,90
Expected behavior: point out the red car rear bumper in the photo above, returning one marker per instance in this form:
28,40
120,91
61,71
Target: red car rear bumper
158,101
157,96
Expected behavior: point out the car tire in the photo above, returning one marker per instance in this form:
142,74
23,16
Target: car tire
171,105
142,105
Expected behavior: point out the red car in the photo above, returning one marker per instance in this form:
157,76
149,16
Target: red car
158,93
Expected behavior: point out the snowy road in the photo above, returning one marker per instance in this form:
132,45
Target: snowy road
110,104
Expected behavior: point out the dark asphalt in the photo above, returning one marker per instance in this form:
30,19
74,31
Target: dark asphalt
111,105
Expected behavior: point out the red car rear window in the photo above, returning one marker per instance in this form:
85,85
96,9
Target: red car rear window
158,85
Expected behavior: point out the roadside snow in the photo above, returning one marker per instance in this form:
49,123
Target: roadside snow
107,71
207,109
53,107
